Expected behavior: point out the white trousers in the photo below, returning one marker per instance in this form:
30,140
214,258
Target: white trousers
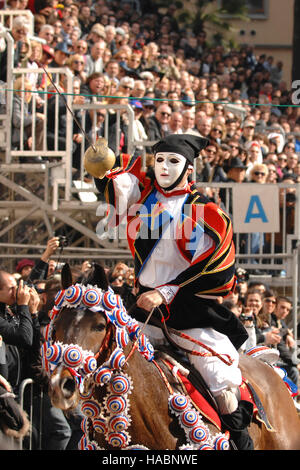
218,375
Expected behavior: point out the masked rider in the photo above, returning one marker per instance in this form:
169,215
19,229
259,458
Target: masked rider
184,264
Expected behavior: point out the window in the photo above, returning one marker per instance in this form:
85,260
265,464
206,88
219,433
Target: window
256,8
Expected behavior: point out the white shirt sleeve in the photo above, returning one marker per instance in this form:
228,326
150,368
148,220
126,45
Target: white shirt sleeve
127,191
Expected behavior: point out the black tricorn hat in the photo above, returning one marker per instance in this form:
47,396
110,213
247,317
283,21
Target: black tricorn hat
187,145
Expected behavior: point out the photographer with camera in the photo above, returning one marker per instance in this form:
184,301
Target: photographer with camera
43,268
18,314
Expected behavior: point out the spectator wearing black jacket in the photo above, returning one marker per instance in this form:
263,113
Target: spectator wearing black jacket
18,316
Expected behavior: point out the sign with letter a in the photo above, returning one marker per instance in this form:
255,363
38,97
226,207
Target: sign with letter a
255,208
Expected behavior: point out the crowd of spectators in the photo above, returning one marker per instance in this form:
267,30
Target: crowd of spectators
173,77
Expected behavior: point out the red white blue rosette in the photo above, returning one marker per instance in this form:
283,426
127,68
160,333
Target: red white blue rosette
91,408
205,447
122,337
102,375
86,393
198,434
89,365
86,444
47,332
117,359
109,300
118,439
91,298
221,443
189,418
119,423
85,425
120,384
91,446
121,317
116,404
54,353
82,443
133,329
179,403
59,298
100,424
72,356
147,351
73,294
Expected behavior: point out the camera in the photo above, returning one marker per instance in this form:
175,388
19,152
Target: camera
291,197
63,241
242,275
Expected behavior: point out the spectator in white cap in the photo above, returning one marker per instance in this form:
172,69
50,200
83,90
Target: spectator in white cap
248,132
279,139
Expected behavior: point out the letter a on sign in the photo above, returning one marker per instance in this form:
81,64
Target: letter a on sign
255,208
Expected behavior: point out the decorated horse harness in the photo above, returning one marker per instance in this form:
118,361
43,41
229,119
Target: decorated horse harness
112,417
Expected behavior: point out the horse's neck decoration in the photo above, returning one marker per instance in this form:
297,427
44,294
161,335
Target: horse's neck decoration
111,417
83,363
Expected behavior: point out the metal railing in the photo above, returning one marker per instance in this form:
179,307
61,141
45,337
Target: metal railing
33,408
7,18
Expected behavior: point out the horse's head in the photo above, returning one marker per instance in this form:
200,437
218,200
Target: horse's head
75,333
86,320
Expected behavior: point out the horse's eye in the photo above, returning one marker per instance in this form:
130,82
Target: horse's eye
99,327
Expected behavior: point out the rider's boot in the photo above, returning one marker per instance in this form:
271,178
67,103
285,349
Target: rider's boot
236,417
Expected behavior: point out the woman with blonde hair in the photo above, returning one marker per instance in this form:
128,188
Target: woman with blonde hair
259,173
76,64
36,52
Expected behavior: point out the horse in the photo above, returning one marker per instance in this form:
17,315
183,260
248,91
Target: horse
97,354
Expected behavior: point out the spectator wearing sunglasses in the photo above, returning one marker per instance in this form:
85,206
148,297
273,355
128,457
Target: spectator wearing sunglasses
76,66
281,163
259,173
126,86
217,132
212,160
255,156
268,306
159,123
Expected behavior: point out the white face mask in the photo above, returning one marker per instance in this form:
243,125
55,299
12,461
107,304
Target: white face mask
168,167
